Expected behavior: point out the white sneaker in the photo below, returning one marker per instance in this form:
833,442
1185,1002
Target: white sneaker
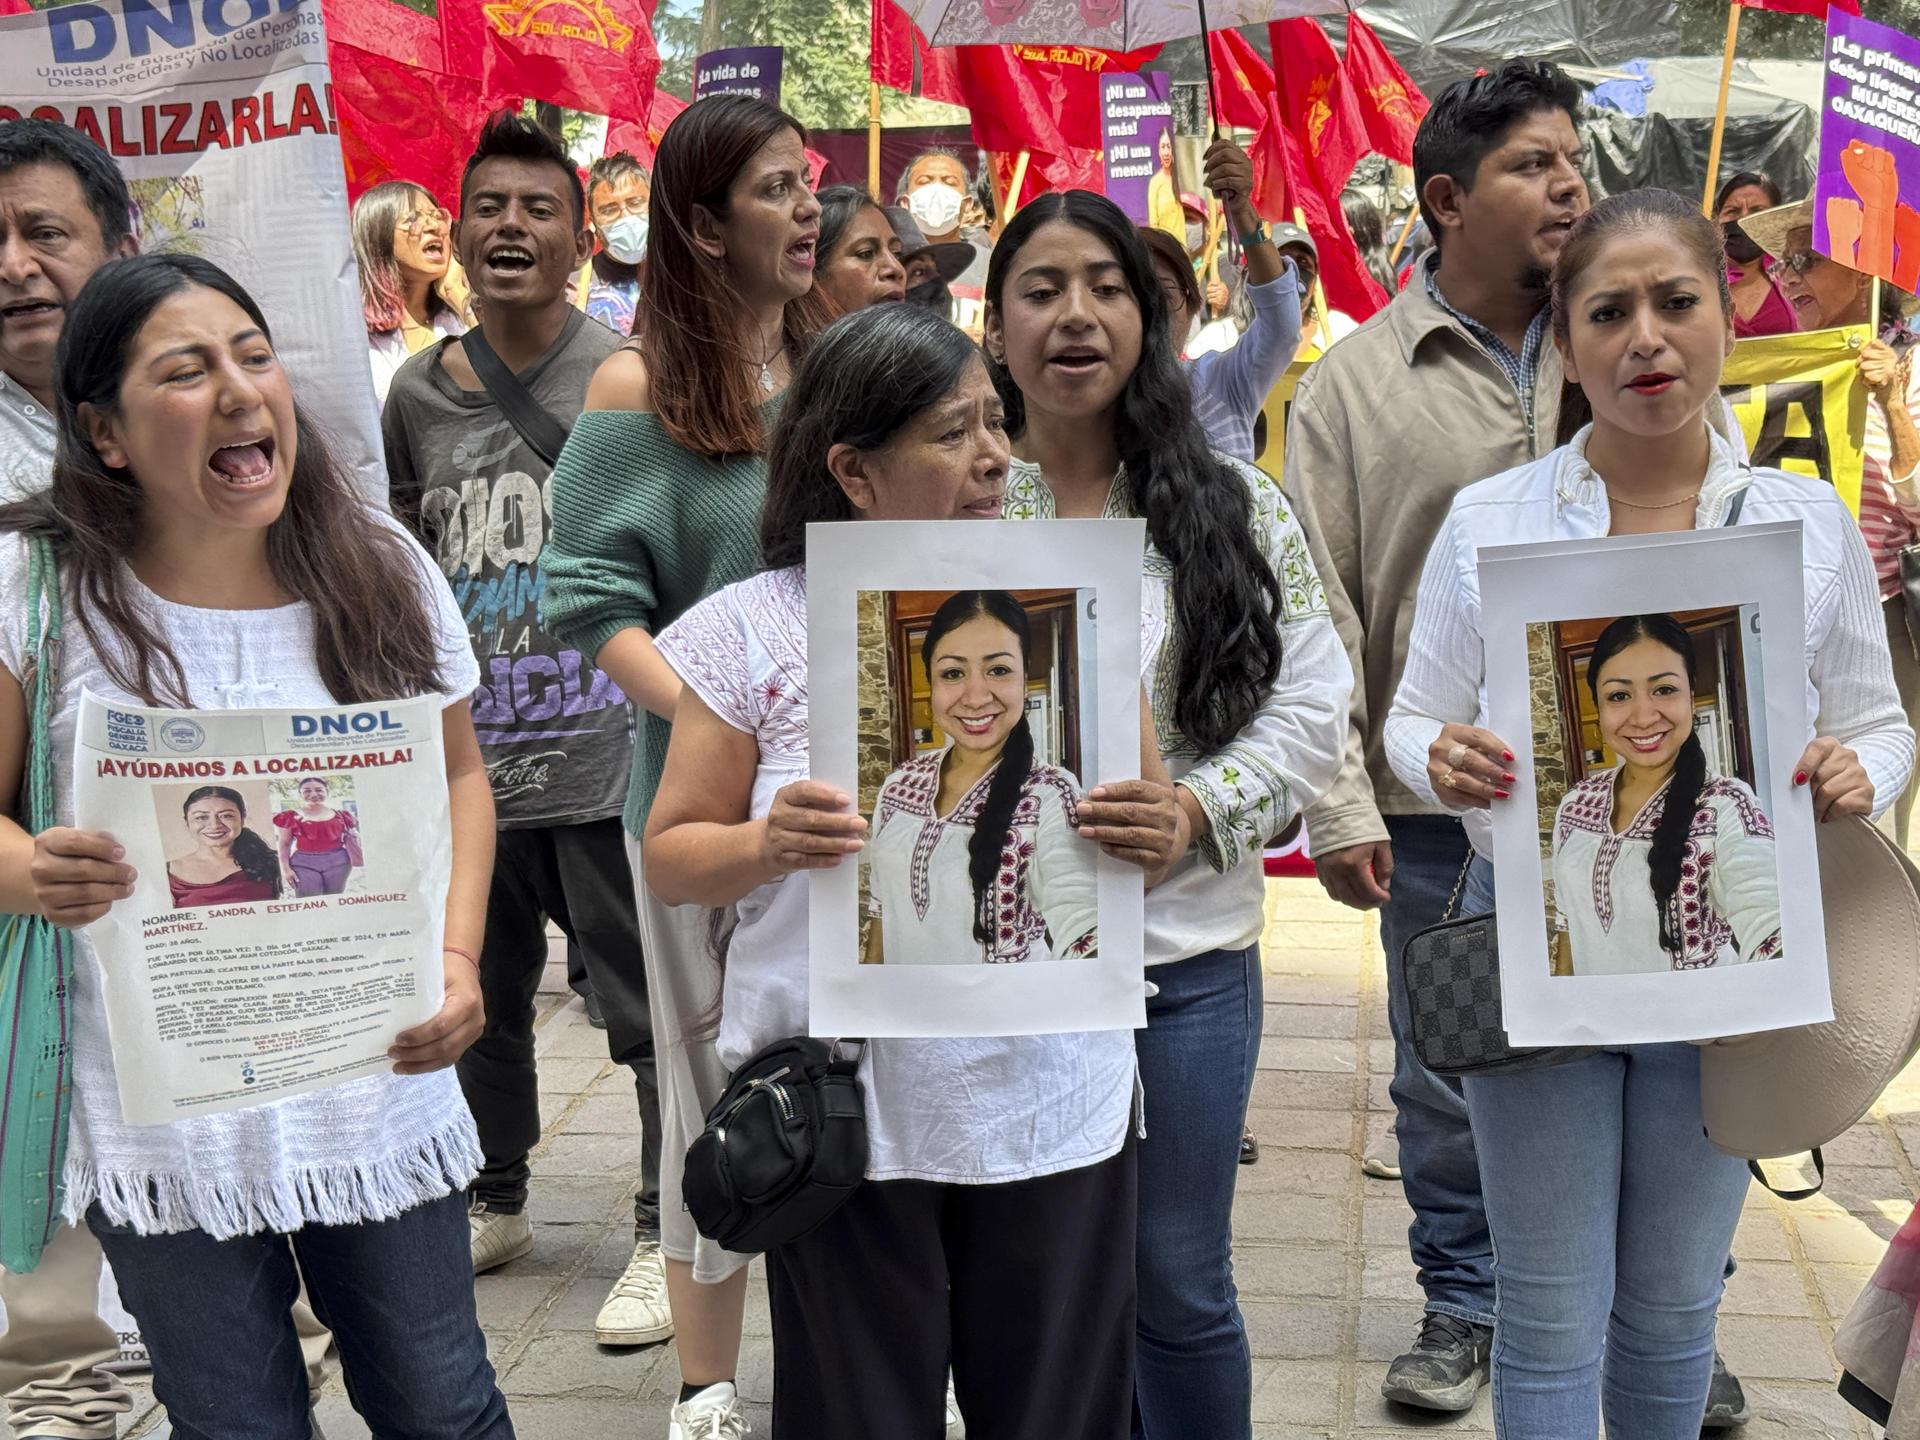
953,1411
496,1238
713,1414
1382,1158
636,1312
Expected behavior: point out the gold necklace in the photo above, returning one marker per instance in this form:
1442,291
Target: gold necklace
1664,505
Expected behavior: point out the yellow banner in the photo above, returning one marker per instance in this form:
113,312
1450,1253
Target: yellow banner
1800,404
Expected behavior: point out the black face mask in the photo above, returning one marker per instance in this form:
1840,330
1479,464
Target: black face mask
1741,248
931,295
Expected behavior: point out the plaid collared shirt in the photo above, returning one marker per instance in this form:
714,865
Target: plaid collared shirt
1522,368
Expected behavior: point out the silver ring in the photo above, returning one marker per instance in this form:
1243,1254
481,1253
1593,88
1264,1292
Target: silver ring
1457,755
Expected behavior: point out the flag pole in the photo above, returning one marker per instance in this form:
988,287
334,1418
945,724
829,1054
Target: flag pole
1319,290
1206,54
1720,109
873,139
1011,201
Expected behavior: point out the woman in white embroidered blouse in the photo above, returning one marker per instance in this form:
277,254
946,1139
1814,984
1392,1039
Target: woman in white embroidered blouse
974,857
1250,688
1656,864
999,1190
1611,1214
211,555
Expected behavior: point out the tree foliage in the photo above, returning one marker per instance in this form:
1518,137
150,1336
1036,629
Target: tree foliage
1770,35
824,77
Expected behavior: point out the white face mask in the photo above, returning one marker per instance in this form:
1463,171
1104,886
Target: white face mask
626,239
936,207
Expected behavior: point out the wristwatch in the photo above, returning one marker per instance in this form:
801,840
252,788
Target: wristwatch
1258,235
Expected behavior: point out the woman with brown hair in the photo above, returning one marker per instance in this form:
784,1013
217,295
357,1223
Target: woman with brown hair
411,294
656,505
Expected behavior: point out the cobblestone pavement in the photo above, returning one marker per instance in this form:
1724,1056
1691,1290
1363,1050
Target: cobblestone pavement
1321,1257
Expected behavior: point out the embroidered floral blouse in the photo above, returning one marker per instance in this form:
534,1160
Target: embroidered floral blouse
1044,902
1726,912
1251,788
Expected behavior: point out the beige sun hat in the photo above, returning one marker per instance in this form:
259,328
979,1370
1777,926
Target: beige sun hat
1782,1092
1769,228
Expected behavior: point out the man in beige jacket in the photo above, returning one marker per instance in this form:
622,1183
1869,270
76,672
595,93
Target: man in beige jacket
1456,380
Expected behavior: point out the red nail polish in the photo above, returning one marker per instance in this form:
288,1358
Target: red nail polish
1799,777
1499,794
1506,755
1508,778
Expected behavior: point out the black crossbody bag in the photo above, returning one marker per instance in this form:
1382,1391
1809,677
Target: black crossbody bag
533,422
1451,972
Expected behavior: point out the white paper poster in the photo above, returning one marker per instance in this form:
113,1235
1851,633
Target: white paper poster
936,652
286,924
1624,673
220,115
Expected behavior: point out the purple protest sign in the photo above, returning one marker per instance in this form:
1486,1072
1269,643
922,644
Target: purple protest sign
745,70
1866,197
1136,125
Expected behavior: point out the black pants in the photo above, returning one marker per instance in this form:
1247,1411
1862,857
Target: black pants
1028,1288
578,875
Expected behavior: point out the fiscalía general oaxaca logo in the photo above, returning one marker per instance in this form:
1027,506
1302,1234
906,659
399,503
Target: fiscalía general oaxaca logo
590,20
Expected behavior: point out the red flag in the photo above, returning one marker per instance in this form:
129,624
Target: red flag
602,59
15,7
640,139
896,44
1388,100
1816,8
1283,181
1316,102
384,28
1044,99
400,122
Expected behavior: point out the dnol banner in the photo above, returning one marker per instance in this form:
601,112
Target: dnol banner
220,115
1866,196
1136,126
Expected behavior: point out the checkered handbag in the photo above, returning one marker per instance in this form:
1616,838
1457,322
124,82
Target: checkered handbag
1451,972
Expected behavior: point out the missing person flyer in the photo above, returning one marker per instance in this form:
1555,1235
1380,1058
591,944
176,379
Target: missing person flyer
287,919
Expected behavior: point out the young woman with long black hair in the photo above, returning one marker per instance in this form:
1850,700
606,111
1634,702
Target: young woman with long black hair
995,1230
1611,1214
1249,687
656,503
212,555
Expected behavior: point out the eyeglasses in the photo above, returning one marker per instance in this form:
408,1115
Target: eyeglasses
606,212
434,219
1801,261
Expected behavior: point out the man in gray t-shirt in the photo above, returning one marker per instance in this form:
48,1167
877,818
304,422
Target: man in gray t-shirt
556,733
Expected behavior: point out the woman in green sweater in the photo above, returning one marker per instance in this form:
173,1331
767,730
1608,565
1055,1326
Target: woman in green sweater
656,505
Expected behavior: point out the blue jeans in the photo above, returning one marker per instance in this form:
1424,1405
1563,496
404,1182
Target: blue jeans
1611,1221
1438,1166
397,1294
1193,1370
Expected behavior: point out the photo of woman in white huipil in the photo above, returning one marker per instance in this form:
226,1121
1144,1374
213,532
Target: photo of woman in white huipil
1658,865
975,856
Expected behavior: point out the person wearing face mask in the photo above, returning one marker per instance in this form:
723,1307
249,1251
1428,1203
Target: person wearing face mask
1760,307
935,190
617,192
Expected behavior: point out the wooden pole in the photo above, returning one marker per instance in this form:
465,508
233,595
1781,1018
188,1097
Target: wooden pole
873,140
1011,201
1720,110
1319,291
1413,218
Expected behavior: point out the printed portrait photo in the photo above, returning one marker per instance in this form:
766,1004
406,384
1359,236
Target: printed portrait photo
317,834
1650,776
972,732
219,842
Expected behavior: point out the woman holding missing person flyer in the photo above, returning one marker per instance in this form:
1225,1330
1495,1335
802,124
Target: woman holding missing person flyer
211,555
1000,1188
1611,1214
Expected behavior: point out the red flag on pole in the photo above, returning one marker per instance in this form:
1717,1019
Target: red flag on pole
1816,8
896,44
1044,99
401,122
15,7
1315,101
640,139
602,60
1389,102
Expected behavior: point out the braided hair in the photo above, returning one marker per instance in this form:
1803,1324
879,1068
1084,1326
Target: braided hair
1671,831
1016,759
252,854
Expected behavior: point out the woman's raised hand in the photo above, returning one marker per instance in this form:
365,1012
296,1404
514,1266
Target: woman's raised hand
1138,821
1468,767
78,874
1839,780
811,827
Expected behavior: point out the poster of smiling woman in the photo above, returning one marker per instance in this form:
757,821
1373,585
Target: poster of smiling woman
1655,868
965,689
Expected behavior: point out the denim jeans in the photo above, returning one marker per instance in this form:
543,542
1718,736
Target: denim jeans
397,1294
1611,1221
1438,1166
1193,1370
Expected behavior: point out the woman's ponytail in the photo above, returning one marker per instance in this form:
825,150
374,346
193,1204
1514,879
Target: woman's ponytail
1670,835
990,831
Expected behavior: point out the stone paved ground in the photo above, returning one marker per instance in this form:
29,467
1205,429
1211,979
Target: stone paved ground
1321,1257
